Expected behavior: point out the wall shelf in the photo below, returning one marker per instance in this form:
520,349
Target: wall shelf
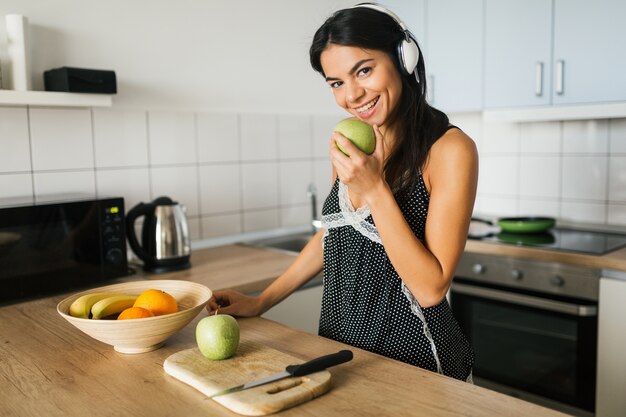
53,99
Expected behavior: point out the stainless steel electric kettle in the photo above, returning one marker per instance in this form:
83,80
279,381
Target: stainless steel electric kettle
164,236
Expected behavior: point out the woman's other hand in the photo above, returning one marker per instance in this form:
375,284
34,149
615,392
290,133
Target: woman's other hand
234,303
362,173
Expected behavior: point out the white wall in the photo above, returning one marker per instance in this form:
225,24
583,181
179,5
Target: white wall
572,170
224,55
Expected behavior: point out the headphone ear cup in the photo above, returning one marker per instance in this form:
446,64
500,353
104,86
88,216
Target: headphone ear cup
409,55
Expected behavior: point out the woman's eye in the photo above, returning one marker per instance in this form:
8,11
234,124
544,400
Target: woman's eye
364,71
335,84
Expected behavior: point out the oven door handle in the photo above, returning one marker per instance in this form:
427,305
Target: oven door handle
579,310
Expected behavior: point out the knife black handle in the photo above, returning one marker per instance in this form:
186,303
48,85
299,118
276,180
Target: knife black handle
321,363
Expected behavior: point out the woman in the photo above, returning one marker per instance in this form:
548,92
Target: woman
389,263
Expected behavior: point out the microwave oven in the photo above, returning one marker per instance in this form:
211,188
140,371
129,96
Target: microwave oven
59,245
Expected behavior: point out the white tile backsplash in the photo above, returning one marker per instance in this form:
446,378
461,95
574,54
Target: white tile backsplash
617,136
587,136
322,178
585,177
221,225
219,188
218,137
172,137
14,140
131,183
540,137
16,185
61,139
617,214
120,138
295,216
259,185
496,206
539,207
238,173
540,176
294,136
322,131
194,225
617,178
500,138
259,140
575,211
294,179
258,220
48,184
499,175
178,183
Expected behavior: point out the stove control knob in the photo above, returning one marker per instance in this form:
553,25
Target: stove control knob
516,274
557,281
478,268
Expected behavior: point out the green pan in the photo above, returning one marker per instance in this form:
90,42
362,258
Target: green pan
526,224
527,239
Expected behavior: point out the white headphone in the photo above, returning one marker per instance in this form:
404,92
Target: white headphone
408,51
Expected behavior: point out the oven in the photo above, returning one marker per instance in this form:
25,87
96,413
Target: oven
533,326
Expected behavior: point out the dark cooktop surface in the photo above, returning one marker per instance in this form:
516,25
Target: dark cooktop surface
595,243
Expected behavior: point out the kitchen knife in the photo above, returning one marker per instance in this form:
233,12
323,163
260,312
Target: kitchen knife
314,365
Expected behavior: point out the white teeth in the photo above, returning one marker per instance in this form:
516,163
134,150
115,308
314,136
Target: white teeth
367,106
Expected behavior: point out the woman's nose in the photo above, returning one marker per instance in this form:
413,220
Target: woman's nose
354,91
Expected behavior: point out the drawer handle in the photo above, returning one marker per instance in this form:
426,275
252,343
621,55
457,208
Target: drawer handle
560,82
539,79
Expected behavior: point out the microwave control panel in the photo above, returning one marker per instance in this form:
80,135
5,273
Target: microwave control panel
113,232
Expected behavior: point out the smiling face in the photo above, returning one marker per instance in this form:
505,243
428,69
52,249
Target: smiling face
365,82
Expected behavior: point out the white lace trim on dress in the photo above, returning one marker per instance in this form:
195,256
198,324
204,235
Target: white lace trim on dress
348,216
417,310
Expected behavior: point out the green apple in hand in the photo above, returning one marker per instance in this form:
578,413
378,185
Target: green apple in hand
359,132
218,336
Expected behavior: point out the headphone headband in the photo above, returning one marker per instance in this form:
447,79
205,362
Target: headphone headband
379,8
408,51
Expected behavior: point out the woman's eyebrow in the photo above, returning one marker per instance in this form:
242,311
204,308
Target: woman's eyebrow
354,68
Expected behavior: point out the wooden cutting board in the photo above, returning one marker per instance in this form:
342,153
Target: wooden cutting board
252,361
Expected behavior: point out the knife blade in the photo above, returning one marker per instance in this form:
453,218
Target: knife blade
314,365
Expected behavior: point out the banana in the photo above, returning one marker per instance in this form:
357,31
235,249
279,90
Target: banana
81,307
112,305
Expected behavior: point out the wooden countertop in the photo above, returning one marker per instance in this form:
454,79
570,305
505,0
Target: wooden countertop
49,368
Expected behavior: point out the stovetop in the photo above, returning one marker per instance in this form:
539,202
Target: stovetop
582,241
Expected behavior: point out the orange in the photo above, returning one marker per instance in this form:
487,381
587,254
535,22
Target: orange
134,313
157,302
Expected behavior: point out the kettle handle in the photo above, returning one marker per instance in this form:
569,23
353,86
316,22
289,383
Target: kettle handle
139,210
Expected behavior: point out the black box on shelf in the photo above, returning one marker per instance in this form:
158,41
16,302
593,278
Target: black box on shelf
80,80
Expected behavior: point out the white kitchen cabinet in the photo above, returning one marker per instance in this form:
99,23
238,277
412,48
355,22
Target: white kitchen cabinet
589,41
610,398
455,54
551,52
518,53
300,310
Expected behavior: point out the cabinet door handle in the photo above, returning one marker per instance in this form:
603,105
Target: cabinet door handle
539,79
560,68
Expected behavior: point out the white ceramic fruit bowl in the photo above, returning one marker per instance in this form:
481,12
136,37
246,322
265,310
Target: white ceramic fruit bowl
144,334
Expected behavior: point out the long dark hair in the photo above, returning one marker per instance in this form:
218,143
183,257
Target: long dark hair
419,125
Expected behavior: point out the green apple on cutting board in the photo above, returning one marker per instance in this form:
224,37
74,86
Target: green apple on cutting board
217,336
359,133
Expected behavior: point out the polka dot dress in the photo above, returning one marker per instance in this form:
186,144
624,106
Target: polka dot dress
366,305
